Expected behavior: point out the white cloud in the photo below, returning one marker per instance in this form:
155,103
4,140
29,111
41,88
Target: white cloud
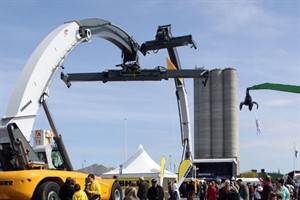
246,17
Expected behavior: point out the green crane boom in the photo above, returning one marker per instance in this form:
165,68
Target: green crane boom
276,86
269,86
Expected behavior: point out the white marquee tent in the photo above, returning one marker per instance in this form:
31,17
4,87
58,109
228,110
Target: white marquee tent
140,164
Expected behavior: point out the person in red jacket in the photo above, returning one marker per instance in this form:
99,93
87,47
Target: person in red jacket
212,192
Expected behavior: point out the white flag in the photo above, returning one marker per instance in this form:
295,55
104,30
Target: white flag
296,152
257,123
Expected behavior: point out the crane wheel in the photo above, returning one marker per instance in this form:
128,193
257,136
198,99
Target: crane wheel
116,192
47,191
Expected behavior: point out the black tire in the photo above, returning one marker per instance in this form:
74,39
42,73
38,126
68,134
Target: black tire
47,191
116,192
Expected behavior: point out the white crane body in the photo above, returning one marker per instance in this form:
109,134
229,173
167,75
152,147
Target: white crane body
37,76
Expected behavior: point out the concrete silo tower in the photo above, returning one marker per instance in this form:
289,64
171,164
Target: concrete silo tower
216,136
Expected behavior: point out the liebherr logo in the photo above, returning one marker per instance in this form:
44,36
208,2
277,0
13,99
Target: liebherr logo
25,106
6,182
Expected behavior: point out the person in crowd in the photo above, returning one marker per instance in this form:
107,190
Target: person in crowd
251,191
212,191
155,192
243,190
170,190
190,189
281,191
116,178
298,192
67,190
292,185
291,190
130,192
272,196
176,191
219,184
228,192
143,189
235,186
202,190
79,194
93,188
267,188
257,192
182,190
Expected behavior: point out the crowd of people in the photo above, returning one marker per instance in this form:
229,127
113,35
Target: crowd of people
238,190
151,192
211,190
70,190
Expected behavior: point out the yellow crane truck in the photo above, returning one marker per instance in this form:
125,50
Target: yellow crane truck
37,172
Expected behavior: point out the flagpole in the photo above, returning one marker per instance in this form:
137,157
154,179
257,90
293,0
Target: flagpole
125,139
295,157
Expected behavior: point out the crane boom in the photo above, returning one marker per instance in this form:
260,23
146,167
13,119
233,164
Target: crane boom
48,57
164,39
276,86
268,86
37,76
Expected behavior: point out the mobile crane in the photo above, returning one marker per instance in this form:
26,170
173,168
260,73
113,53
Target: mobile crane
24,175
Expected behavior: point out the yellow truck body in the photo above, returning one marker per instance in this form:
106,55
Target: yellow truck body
23,184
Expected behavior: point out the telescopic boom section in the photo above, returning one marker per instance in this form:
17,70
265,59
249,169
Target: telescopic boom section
165,40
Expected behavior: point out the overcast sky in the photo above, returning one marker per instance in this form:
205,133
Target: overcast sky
260,39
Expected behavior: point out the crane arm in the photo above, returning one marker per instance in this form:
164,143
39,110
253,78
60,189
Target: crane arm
38,74
276,86
48,57
165,40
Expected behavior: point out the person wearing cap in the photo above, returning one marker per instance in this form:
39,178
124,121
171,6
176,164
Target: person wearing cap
155,192
143,189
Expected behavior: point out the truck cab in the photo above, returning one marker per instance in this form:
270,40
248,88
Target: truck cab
46,150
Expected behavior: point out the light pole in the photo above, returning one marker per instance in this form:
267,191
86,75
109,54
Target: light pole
125,138
170,162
